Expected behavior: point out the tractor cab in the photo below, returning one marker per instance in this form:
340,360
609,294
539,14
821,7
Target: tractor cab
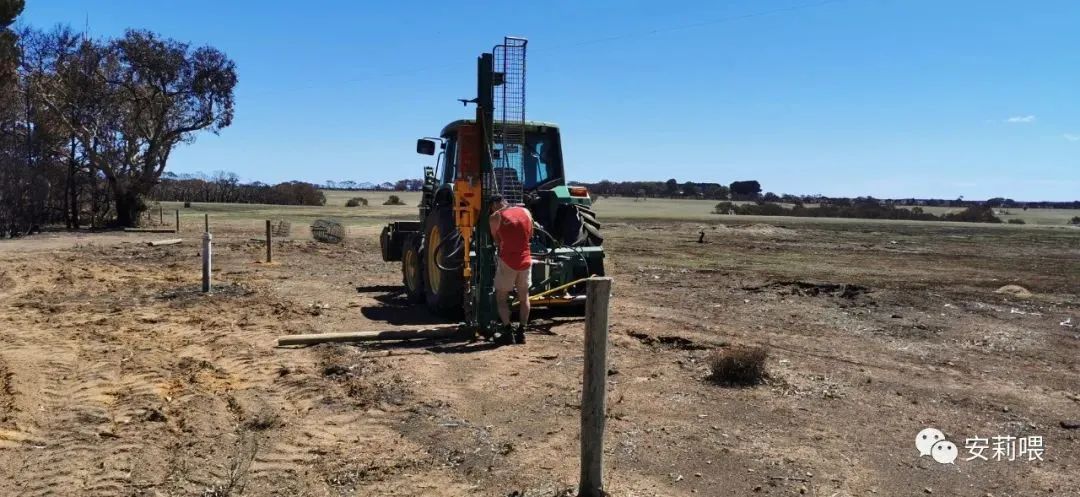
540,156
538,181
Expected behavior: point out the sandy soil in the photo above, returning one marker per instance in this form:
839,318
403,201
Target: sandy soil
118,378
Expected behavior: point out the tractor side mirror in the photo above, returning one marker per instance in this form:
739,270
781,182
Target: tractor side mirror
425,146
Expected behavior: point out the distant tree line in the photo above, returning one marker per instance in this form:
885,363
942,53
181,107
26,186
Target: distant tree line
861,208
672,188
650,189
751,191
87,125
401,185
226,187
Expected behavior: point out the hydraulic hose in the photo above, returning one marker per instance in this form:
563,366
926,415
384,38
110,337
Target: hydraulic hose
576,250
438,248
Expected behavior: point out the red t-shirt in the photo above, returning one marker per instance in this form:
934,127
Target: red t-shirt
515,231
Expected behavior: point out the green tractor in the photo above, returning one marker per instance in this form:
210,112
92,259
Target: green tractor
447,256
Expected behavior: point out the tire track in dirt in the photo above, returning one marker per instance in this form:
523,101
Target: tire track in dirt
319,436
303,445
226,369
73,442
13,432
7,284
125,391
69,416
38,377
7,394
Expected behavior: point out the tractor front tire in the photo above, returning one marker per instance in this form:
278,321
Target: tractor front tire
443,259
412,270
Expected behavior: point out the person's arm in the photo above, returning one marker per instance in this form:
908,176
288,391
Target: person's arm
529,228
493,226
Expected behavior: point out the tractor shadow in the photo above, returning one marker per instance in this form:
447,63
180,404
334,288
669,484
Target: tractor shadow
395,309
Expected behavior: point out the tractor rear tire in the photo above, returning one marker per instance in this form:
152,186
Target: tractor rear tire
444,285
412,270
578,226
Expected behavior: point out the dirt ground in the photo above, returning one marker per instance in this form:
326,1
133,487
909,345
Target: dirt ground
117,377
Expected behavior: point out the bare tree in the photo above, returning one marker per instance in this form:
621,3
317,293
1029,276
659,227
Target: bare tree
142,96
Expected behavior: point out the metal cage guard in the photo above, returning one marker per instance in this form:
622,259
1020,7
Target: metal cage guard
508,152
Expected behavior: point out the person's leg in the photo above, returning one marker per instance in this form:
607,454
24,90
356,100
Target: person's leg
503,304
504,282
523,282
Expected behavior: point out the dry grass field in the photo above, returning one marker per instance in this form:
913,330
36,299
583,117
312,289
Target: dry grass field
117,377
610,208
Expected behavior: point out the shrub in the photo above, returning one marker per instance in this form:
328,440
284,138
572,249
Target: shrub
294,193
975,214
1016,221
725,207
356,202
741,366
187,205
394,200
1075,220
765,209
861,208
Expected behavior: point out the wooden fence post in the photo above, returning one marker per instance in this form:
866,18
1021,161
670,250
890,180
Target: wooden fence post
177,221
206,223
594,387
269,244
207,248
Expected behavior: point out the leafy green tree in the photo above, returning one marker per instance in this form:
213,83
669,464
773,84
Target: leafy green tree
671,187
9,10
745,189
142,95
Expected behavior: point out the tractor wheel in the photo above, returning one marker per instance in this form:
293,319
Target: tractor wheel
443,261
412,270
578,226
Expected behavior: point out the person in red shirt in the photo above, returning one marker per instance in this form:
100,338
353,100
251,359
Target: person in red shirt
512,228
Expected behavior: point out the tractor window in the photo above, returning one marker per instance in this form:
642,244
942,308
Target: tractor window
543,160
450,160
540,162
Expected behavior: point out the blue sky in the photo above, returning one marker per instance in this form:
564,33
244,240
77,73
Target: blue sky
891,98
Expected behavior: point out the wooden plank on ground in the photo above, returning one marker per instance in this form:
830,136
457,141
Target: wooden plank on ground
370,336
170,241
149,230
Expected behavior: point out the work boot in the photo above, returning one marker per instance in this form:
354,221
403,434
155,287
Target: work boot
504,335
519,334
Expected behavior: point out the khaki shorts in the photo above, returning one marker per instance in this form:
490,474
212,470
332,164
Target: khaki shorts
507,279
